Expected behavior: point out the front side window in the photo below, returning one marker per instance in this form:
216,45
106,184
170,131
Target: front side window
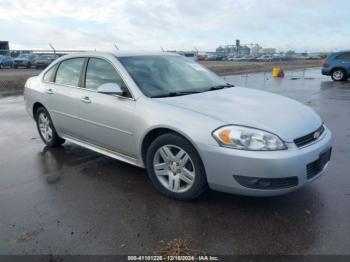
68,72
99,72
164,74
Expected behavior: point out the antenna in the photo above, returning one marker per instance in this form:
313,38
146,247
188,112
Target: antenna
54,50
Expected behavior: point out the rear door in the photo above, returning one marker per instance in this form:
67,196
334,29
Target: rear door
106,120
62,94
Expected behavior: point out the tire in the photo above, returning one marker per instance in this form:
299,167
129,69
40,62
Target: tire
29,65
15,66
44,125
339,75
180,174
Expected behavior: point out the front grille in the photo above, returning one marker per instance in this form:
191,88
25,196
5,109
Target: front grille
304,140
317,166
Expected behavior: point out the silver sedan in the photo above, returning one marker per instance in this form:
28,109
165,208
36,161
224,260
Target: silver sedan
187,126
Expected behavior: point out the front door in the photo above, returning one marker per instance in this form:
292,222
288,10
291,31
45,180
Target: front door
106,120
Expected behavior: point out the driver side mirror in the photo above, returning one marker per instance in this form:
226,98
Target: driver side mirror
110,89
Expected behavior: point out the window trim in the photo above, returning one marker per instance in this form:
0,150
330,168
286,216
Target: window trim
81,85
85,66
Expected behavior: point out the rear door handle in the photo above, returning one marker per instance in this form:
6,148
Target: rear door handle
49,91
86,99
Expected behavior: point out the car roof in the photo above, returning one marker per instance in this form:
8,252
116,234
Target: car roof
341,52
119,53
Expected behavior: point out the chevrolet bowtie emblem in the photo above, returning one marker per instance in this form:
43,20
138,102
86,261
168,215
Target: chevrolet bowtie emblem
316,134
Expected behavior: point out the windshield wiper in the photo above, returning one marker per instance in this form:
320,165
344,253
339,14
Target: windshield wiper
218,87
180,93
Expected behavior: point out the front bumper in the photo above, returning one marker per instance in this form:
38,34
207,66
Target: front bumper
222,164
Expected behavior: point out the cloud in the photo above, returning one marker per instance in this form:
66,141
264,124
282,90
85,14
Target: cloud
180,24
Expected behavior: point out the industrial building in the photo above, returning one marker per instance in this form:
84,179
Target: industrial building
236,50
4,48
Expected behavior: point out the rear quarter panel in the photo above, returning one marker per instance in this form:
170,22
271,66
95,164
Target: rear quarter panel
33,93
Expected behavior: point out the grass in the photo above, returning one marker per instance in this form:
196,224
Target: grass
12,84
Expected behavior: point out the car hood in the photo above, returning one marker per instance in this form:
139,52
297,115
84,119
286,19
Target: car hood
280,115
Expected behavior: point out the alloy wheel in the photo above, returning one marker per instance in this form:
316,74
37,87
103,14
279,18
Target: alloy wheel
174,168
45,127
338,75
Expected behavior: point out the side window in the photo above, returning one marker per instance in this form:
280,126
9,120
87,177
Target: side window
48,76
344,56
99,72
68,72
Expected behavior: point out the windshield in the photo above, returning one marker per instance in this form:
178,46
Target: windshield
161,75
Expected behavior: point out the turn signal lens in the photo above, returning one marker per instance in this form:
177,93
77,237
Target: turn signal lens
225,136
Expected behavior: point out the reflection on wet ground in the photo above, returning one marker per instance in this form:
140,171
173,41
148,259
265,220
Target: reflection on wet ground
80,202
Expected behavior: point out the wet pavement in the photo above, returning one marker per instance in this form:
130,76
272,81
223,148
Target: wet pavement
71,200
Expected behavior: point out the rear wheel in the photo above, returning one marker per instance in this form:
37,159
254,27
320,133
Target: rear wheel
46,129
339,75
175,167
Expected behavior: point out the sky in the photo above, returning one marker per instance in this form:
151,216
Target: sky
301,25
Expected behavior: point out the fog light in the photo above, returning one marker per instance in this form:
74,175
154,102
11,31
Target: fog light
266,183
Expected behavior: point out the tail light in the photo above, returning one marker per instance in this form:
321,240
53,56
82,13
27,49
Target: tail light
324,61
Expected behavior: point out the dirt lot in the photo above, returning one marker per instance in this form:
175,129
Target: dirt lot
229,68
70,200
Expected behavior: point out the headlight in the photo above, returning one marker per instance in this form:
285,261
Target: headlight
246,138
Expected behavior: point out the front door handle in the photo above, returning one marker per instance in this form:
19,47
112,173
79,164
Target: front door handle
49,91
86,99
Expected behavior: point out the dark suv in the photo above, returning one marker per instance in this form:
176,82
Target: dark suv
337,65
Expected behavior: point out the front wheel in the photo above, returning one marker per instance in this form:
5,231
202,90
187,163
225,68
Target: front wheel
339,75
46,129
175,167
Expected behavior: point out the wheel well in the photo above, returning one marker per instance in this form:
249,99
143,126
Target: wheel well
36,107
338,68
151,136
